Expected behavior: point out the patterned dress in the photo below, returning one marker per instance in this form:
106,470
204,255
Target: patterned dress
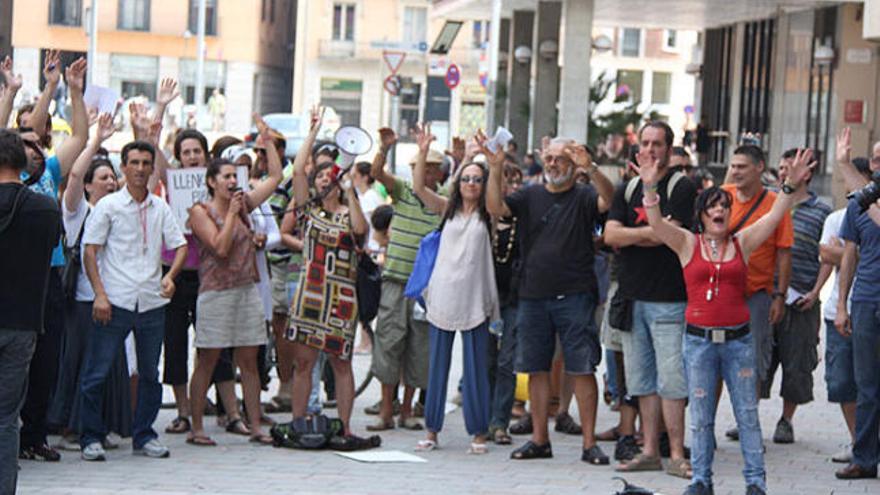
324,309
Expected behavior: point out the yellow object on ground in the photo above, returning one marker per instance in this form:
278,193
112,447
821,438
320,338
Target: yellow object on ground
522,387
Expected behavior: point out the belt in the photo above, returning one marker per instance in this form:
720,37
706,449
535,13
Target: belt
719,335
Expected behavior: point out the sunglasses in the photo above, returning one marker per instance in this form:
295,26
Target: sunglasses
471,179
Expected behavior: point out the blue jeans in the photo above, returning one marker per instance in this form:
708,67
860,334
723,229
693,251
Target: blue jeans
840,377
505,378
734,361
475,371
652,350
104,344
16,349
866,342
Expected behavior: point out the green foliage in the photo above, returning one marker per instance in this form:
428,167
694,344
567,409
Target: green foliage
614,122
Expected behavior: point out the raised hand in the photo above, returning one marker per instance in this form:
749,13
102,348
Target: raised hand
316,117
140,120
579,156
424,138
264,138
52,67
458,150
495,159
844,145
387,138
168,91
648,168
13,82
75,75
105,127
801,167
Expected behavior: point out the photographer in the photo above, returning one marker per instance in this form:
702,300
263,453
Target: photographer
30,226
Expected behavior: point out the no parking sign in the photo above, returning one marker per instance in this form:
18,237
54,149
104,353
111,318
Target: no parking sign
453,77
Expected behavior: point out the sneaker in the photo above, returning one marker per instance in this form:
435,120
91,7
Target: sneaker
732,434
111,441
374,409
93,452
784,432
39,453
154,449
566,424
699,488
844,456
626,448
755,490
69,443
457,399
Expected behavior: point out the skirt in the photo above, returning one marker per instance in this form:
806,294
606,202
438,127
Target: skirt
230,318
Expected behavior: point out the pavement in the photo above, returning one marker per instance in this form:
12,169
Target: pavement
238,467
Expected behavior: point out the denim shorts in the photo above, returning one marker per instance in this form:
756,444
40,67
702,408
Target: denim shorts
840,374
652,351
570,317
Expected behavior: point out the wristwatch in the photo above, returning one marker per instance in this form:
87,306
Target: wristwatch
787,188
777,294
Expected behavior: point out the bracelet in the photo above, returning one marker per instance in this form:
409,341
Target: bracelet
650,204
777,294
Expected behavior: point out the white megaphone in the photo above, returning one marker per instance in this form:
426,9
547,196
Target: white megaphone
351,141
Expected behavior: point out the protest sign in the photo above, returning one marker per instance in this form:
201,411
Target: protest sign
186,187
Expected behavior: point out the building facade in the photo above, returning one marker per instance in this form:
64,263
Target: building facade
249,48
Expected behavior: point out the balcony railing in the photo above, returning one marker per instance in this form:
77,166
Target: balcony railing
352,50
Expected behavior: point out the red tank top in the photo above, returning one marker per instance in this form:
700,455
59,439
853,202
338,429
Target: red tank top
727,306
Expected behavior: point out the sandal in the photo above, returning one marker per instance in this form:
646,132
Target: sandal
237,427
426,446
641,462
566,424
500,437
381,425
478,449
180,424
611,435
523,426
201,441
278,404
266,420
531,450
261,439
411,424
680,468
595,456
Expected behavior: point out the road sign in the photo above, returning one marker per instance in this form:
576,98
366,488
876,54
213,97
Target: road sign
453,76
403,46
392,85
393,60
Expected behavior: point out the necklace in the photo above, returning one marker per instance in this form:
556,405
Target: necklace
715,276
502,259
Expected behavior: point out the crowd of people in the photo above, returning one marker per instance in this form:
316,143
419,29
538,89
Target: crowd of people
682,286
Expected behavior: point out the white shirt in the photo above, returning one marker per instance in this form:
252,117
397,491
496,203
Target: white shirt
73,222
131,236
369,201
462,294
264,223
833,222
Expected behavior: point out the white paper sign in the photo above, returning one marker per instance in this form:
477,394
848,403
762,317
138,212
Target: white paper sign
381,456
104,99
186,187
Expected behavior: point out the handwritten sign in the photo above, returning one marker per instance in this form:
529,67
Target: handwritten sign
186,187
104,99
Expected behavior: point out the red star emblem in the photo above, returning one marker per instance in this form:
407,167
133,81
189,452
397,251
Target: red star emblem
641,215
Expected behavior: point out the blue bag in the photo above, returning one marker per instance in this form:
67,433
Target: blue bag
423,266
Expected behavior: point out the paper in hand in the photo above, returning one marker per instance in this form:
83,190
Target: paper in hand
104,99
499,140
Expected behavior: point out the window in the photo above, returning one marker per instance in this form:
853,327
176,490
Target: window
410,96
215,77
670,40
480,34
629,82
65,12
134,75
210,17
343,96
134,15
630,42
415,24
343,22
661,87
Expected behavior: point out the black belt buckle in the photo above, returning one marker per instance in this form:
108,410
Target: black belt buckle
718,335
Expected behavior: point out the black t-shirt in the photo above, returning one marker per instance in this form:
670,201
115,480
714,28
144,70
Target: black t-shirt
652,273
505,251
556,240
25,253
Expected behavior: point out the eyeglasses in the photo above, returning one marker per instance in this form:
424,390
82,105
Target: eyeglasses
471,179
260,151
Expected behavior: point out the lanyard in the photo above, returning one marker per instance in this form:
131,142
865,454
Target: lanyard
142,217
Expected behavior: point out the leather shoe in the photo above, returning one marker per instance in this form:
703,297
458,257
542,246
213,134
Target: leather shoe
855,472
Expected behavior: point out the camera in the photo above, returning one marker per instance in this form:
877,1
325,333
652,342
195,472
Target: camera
869,194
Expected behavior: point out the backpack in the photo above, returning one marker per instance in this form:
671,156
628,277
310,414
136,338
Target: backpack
670,186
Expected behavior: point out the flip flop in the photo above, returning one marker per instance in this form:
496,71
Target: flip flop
478,449
381,425
680,468
201,441
261,439
426,446
237,427
641,462
179,424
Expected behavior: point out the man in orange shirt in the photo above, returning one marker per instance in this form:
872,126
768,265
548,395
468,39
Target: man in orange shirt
751,201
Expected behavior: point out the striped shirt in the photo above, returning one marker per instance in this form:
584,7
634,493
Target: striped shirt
808,218
412,221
